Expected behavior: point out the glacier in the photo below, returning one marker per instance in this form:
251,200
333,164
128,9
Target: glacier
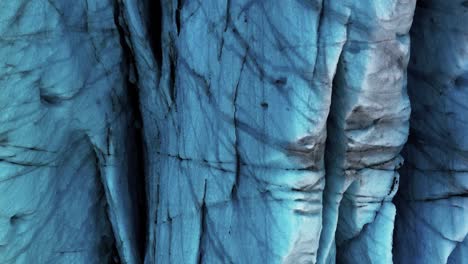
233,131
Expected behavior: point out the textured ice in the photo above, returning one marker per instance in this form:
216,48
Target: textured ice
257,131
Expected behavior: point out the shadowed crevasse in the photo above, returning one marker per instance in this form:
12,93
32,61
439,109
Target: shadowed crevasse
432,204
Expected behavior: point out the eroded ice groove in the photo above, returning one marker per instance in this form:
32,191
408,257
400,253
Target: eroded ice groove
140,25
65,140
432,218
367,128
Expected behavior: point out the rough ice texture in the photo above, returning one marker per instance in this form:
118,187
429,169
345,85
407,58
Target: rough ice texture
432,218
271,131
239,128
